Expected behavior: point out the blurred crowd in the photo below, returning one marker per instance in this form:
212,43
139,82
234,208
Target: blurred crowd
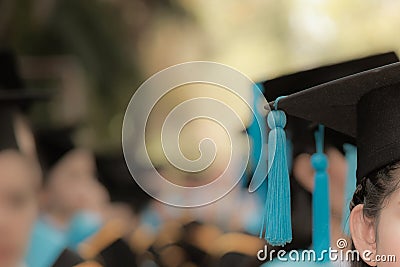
62,205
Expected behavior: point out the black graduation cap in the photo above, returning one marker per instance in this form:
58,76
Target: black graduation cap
364,106
14,97
12,87
303,140
115,176
8,139
193,252
52,145
300,130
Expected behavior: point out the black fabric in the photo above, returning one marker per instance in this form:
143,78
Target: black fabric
118,254
378,129
364,106
235,259
12,87
114,174
295,82
193,253
300,130
52,145
7,134
9,78
68,258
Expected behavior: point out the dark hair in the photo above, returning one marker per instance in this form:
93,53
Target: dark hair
373,191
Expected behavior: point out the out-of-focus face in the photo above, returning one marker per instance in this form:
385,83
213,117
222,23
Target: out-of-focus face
70,182
18,206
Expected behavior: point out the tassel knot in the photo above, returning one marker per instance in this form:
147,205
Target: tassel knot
319,162
276,119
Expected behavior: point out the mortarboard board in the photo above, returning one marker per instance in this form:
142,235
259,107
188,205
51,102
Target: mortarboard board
363,106
300,129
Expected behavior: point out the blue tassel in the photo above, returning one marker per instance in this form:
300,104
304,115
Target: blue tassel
321,208
277,220
351,158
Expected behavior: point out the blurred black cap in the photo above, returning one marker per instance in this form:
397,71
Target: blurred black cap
114,174
52,145
12,87
13,98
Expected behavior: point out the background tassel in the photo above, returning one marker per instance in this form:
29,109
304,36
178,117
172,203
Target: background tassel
351,158
321,207
258,157
278,228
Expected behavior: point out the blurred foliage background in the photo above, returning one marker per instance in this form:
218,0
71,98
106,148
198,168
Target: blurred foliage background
95,53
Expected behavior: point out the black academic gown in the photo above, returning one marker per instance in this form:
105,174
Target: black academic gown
68,258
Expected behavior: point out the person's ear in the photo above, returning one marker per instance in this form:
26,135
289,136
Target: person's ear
303,171
362,231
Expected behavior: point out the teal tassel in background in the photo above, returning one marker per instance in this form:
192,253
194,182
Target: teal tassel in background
321,207
258,135
351,159
278,228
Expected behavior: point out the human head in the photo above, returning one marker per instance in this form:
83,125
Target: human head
69,183
18,205
374,216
